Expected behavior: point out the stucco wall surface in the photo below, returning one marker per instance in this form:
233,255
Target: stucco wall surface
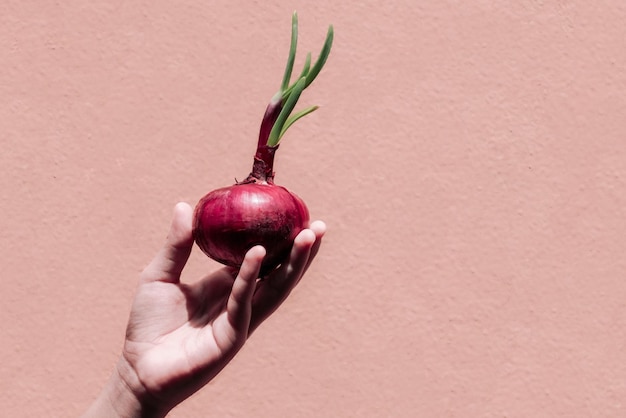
469,158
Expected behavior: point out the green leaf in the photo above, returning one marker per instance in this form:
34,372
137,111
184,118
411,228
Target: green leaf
307,66
288,107
304,73
292,52
293,118
321,60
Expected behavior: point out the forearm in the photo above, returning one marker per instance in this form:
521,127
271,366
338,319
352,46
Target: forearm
117,399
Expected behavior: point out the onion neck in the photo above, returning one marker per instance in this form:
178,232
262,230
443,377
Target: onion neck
263,167
269,119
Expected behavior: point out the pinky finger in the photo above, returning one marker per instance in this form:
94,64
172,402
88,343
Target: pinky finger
319,229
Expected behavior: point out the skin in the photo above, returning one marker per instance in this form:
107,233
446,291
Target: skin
179,336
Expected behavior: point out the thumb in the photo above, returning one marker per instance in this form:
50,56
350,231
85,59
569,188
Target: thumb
169,262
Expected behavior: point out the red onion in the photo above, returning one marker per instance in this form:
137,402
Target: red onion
231,220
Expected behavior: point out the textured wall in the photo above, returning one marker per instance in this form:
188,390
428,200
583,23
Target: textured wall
469,158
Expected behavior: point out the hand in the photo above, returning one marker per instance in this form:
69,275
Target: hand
179,336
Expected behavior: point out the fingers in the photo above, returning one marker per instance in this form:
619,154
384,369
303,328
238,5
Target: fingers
275,289
319,229
171,259
291,271
239,305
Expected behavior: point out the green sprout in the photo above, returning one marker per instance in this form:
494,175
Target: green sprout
289,93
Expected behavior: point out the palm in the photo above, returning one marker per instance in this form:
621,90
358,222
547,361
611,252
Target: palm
186,331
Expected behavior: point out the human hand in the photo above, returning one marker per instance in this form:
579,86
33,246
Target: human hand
180,335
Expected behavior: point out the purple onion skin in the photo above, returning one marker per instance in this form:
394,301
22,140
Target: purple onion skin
231,220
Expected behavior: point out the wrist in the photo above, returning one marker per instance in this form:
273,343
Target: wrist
123,396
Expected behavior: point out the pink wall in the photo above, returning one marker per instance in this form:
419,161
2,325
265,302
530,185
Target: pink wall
469,159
